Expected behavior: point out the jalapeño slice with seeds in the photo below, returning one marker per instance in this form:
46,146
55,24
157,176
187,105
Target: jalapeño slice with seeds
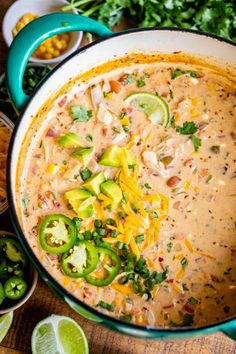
81,260
57,233
109,267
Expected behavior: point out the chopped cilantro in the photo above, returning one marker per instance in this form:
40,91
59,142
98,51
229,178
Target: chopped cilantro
25,202
140,83
147,186
196,142
130,79
188,128
153,215
171,94
185,288
89,137
178,72
184,262
192,300
169,247
80,113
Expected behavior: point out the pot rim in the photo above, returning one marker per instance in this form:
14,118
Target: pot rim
14,218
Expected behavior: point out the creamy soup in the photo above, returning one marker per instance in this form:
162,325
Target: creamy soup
127,192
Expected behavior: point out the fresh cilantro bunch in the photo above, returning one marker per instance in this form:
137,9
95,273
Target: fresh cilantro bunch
213,16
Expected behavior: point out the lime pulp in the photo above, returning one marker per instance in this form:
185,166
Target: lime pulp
5,324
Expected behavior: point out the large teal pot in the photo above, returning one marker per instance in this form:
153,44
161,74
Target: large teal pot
110,46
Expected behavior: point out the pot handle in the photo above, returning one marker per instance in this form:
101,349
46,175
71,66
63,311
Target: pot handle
230,329
29,39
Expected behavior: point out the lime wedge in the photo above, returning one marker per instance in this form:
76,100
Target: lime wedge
58,335
154,106
5,324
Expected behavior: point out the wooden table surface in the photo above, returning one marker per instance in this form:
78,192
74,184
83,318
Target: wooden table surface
101,340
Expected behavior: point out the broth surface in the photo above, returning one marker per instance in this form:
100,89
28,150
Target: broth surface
187,222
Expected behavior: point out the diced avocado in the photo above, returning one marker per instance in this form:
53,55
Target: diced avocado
112,156
77,194
86,212
70,140
93,183
112,190
83,208
82,154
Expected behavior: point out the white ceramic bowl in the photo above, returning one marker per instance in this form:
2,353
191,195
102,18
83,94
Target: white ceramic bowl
8,123
40,8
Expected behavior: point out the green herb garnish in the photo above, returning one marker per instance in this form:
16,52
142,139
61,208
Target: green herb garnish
179,72
25,202
192,300
89,137
197,142
80,113
184,262
106,306
169,247
188,128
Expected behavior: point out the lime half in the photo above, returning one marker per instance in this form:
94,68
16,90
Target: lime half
154,106
5,324
58,335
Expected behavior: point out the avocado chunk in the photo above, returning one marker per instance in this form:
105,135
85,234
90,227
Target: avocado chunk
93,183
112,190
77,194
87,212
82,154
70,140
112,156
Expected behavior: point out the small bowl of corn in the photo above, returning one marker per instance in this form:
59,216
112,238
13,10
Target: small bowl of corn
54,49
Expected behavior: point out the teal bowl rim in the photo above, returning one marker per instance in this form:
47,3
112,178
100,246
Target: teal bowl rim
54,284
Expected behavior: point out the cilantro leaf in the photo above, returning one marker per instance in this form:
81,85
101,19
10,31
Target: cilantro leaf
80,113
197,142
188,128
179,72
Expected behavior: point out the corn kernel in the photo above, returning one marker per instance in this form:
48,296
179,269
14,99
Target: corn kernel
187,184
52,168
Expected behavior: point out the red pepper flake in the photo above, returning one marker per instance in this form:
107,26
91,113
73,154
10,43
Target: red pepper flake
160,259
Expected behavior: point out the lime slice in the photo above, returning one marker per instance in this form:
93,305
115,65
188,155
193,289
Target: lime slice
154,106
5,324
58,335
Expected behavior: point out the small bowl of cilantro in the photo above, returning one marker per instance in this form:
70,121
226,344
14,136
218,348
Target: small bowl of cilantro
34,73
